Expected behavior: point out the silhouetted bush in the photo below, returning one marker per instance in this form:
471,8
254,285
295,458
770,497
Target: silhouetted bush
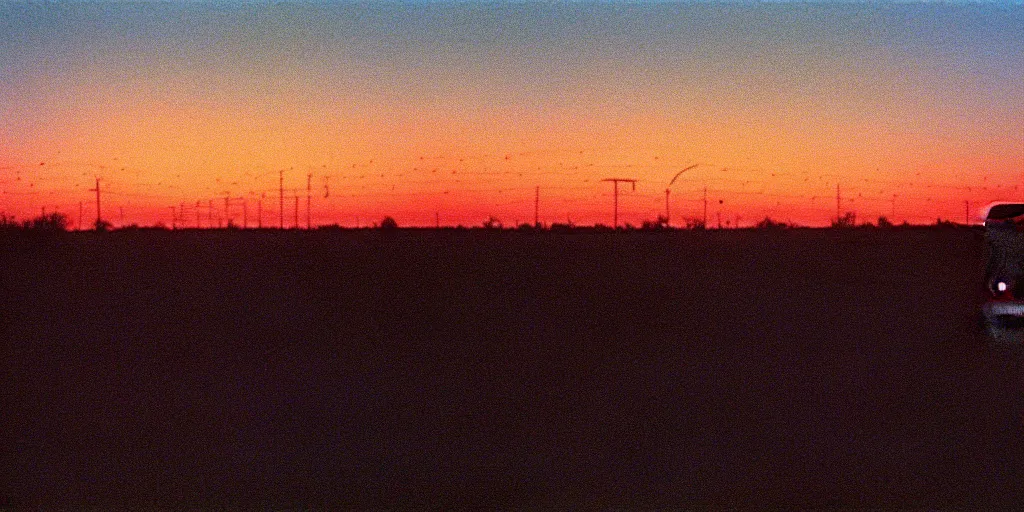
660,224
51,222
695,224
388,223
848,220
883,222
492,223
9,223
768,223
102,226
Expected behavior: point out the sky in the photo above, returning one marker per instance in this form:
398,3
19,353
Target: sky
451,113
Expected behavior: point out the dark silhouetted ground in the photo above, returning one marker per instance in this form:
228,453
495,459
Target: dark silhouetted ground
243,369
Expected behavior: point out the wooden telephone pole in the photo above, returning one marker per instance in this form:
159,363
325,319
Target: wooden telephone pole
536,208
97,190
616,182
705,206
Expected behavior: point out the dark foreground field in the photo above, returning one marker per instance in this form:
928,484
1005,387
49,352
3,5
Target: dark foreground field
803,368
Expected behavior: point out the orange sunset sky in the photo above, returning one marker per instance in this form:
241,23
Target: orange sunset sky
459,111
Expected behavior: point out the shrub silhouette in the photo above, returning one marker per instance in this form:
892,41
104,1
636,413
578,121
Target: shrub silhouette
695,224
102,226
768,223
492,223
848,220
51,222
8,223
388,223
883,222
661,223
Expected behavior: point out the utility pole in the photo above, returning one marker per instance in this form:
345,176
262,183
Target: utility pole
705,206
536,208
296,209
260,210
197,214
616,181
967,213
667,217
245,213
282,198
309,194
209,213
97,190
669,187
838,203
174,217
227,209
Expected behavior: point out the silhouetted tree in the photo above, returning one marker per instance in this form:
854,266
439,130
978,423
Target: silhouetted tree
102,226
388,223
883,222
